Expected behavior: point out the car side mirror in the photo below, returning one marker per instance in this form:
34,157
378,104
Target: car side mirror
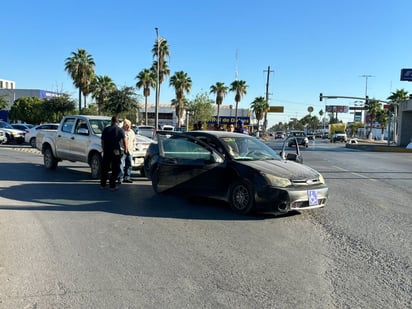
294,157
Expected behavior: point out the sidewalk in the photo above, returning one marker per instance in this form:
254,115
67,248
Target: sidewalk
379,145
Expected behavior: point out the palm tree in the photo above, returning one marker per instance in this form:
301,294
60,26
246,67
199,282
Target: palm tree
80,66
396,97
160,51
372,107
382,116
220,90
122,100
259,106
146,79
101,87
182,83
239,87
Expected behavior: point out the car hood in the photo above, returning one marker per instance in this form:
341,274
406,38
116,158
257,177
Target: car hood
283,168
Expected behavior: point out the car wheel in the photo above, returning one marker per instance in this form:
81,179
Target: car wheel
241,197
96,166
155,180
49,159
33,142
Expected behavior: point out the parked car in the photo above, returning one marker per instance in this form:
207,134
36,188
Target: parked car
148,131
300,138
22,126
31,134
236,168
3,137
142,144
13,135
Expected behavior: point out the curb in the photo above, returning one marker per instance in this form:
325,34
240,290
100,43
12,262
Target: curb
378,148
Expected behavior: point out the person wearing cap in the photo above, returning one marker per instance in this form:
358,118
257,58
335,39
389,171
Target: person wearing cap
240,128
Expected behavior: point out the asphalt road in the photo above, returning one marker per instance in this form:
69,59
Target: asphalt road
64,243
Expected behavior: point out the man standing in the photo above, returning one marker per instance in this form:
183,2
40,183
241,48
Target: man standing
112,137
240,128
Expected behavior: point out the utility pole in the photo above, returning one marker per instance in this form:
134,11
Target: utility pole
265,124
156,125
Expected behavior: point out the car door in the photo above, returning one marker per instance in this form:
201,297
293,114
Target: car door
187,163
80,141
64,138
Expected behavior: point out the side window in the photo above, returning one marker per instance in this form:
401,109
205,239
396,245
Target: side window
81,124
68,125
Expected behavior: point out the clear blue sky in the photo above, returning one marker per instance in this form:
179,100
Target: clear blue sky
311,46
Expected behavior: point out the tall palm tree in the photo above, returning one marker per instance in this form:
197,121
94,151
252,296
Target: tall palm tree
102,85
80,67
160,51
372,107
220,90
146,79
396,97
259,106
239,87
182,83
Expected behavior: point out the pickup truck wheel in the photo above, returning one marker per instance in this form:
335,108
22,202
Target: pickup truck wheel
50,161
96,166
241,197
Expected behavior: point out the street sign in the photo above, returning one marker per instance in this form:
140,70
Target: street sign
276,109
406,74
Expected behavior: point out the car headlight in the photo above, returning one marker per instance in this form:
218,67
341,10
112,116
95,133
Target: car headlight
277,181
321,179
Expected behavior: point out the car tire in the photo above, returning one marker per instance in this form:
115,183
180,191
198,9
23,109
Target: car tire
241,197
96,166
33,142
49,159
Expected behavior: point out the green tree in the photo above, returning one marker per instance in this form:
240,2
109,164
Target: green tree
3,103
182,84
240,89
122,101
80,67
259,106
59,106
201,108
382,118
160,51
29,110
146,79
372,107
101,87
220,90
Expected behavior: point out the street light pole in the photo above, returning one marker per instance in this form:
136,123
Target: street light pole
157,82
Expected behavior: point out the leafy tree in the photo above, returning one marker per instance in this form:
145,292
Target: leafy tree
29,110
3,103
160,51
240,89
101,87
59,106
146,79
259,106
220,90
182,83
201,108
372,107
80,67
382,118
121,101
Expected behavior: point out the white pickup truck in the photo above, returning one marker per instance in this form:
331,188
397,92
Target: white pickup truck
77,139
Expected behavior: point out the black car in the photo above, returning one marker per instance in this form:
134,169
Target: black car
300,138
236,168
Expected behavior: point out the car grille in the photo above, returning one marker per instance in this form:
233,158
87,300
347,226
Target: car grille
306,182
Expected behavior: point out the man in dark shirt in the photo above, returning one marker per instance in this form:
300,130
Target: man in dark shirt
113,138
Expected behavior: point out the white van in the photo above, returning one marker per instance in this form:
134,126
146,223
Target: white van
168,127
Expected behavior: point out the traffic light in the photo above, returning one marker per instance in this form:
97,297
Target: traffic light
320,97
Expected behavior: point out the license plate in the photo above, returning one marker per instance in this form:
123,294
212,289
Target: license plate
313,197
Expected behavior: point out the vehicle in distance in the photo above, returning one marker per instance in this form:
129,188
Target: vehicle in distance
22,126
31,134
300,138
236,168
279,134
148,131
12,135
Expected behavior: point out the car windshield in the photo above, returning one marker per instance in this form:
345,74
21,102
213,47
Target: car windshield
247,148
99,124
5,125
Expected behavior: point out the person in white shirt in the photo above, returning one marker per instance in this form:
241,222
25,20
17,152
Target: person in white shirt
126,162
